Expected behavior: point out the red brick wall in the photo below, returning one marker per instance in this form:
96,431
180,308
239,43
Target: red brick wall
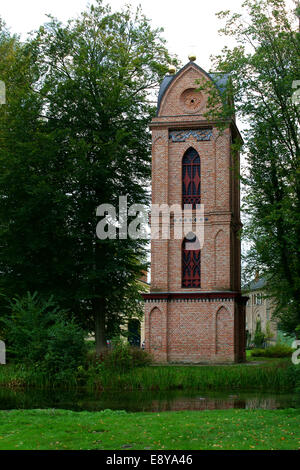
188,331
196,331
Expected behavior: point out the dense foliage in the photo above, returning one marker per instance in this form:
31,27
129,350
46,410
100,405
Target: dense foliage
74,135
278,350
40,336
259,336
264,70
120,358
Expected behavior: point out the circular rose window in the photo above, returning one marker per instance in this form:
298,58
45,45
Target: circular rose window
191,100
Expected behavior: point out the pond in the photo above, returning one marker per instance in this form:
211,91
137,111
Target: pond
80,400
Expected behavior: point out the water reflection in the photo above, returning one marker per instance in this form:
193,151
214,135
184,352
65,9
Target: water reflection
143,401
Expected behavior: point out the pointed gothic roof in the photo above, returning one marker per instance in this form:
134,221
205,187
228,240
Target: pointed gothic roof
220,79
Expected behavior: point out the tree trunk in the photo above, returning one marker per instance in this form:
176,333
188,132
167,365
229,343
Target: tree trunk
99,315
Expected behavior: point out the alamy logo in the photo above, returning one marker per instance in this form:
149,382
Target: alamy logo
296,94
167,222
2,353
2,93
296,354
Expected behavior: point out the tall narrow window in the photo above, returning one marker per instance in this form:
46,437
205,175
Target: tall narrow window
191,178
191,262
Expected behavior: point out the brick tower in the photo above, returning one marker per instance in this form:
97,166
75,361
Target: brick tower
195,311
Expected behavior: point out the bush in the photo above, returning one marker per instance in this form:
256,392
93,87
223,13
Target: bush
39,335
121,358
259,336
66,349
25,327
279,350
140,358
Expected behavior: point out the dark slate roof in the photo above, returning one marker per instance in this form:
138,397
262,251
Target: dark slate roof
255,285
220,80
164,85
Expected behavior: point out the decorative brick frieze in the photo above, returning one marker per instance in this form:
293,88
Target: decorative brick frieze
198,134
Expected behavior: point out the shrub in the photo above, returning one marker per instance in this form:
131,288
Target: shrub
259,336
40,335
269,334
140,358
25,327
120,358
66,349
279,350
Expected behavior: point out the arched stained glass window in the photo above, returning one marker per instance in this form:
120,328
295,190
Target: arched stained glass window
191,262
191,178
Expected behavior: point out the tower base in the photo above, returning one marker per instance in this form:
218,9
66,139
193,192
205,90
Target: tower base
195,327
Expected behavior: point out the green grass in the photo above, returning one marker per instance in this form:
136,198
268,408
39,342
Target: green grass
217,429
270,376
16,376
277,375
13,376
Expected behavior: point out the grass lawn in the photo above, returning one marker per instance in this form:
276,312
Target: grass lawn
184,430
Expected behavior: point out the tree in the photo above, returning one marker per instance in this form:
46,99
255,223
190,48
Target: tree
37,332
88,145
33,228
264,69
269,333
259,336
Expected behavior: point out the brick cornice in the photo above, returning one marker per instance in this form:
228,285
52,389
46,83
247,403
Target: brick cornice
182,124
201,296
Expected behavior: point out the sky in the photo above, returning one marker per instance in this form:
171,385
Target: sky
190,25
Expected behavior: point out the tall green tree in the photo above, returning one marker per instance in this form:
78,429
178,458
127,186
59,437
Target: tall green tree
88,143
33,224
264,70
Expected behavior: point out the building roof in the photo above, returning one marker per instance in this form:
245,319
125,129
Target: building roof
255,285
220,79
